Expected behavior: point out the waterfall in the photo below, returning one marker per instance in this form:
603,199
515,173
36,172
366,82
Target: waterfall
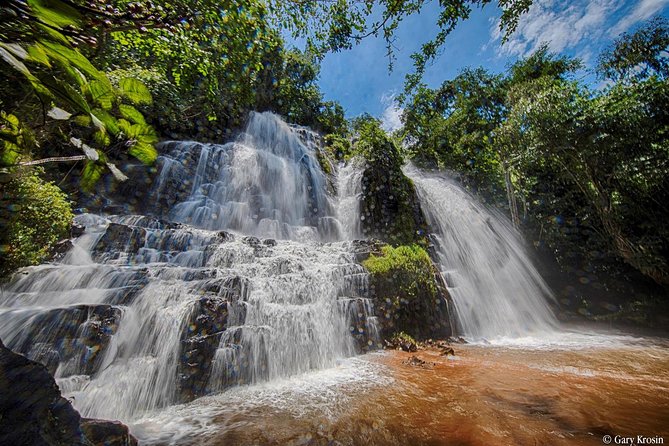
237,287
496,290
267,182
349,190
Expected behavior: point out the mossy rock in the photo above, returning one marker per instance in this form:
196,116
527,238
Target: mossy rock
390,207
409,294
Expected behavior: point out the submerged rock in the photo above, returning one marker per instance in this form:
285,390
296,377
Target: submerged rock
33,412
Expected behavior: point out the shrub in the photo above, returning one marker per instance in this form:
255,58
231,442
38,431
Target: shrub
36,215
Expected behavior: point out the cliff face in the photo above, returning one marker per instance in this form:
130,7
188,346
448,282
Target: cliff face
33,412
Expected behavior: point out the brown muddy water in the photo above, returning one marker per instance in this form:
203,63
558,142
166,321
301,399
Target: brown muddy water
572,390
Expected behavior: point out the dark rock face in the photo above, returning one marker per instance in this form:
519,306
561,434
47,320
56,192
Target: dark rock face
59,250
82,332
33,412
121,238
407,290
390,206
200,340
424,315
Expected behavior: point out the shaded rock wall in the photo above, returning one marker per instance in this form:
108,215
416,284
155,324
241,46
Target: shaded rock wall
409,296
33,412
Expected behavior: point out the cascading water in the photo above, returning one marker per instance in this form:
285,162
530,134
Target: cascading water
143,313
496,291
349,189
267,183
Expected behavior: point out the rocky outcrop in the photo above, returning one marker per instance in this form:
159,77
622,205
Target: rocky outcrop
390,206
200,340
408,293
34,413
82,334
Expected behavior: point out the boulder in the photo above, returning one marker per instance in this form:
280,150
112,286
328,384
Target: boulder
200,341
34,413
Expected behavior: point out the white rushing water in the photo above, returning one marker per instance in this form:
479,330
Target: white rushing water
496,290
268,183
349,191
143,313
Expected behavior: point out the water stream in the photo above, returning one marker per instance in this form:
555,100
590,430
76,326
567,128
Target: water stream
496,290
143,313
234,316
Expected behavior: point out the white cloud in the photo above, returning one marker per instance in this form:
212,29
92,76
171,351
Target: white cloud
392,113
644,10
562,28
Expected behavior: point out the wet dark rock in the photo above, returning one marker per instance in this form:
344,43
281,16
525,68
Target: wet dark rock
457,340
421,310
415,361
447,351
61,248
200,340
225,236
77,230
33,412
269,242
121,238
251,241
362,249
402,342
235,288
283,265
107,433
77,335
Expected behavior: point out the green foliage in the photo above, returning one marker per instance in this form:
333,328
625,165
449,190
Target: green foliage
611,151
389,203
35,215
81,101
639,55
409,265
583,171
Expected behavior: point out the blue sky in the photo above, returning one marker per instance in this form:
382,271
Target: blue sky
360,81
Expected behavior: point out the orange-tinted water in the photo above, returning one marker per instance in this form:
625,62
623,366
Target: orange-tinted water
486,395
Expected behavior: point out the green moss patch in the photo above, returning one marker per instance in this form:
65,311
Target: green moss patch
406,292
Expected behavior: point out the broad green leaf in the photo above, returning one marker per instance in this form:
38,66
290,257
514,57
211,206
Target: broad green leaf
110,122
53,34
83,120
102,93
132,114
68,56
36,54
68,95
91,175
145,152
135,90
101,137
55,13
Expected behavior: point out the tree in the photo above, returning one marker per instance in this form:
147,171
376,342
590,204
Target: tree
637,56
